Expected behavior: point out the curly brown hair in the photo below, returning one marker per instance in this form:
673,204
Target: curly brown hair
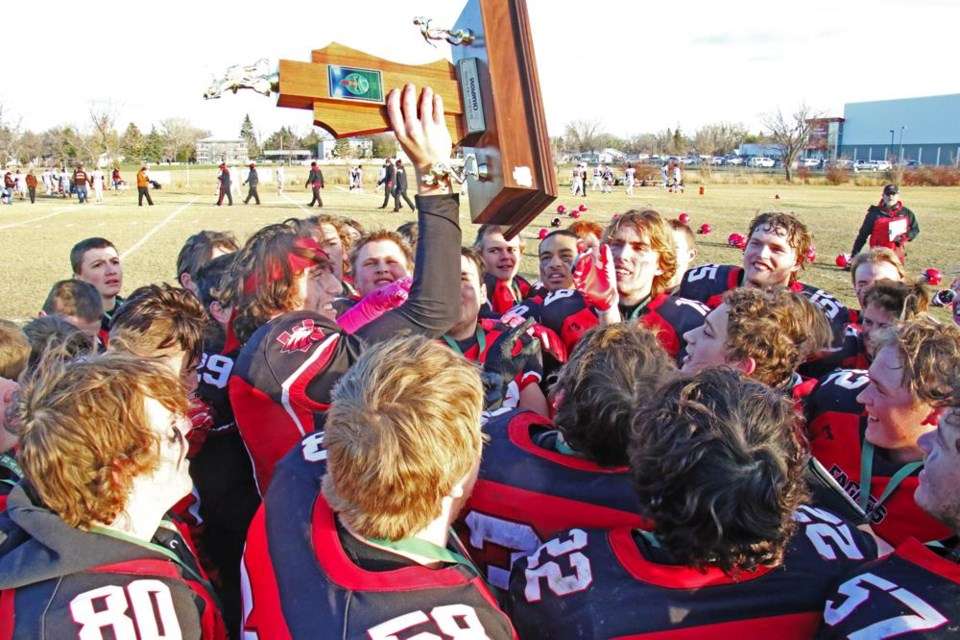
903,301
718,465
929,354
612,371
796,231
776,327
84,433
158,319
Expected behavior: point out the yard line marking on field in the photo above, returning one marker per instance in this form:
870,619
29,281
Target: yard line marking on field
297,203
49,215
139,243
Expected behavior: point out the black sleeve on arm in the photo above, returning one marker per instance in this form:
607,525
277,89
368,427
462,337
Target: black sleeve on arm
434,302
914,229
865,230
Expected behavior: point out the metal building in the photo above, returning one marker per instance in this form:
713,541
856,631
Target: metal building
909,130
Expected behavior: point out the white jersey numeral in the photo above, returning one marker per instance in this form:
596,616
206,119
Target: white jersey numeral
924,615
455,621
518,538
557,582
143,610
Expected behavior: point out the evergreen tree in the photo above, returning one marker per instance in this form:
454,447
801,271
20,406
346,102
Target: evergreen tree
132,143
153,146
247,133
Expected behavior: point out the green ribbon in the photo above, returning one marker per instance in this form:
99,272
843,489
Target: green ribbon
481,342
866,478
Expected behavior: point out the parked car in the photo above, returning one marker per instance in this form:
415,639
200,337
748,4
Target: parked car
809,162
733,160
762,162
872,165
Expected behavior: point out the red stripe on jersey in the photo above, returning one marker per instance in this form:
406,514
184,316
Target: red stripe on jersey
7,613
670,576
335,563
262,611
917,553
519,432
144,566
786,627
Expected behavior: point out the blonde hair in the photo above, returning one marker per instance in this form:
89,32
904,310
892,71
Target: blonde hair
661,240
402,430
876,255
84,433
929,354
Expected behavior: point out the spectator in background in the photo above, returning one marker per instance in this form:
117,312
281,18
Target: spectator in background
31,181
315,182
400,187
281,177
80,181
223,177
252,181
387,181
96,180
115,177
888,224
143,186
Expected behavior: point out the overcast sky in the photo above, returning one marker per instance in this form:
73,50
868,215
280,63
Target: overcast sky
636,66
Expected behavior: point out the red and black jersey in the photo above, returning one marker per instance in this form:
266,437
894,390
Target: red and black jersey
503,295
476,347
60,582
589,583
281,384
213,376
305,577
913,593
708,282
851,355
526,493
836,424
671,317
565,312
103,336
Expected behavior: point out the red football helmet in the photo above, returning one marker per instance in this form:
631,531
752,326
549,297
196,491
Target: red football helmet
574,214
705,229
933,276
842,260
812,254
582,207
543,233
737,240
561,209
555,223
684,218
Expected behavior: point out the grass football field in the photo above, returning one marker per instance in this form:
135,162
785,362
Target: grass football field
37,238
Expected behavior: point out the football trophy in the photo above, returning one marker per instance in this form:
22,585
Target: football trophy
491,97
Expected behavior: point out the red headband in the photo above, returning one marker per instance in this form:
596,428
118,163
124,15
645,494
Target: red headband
295,261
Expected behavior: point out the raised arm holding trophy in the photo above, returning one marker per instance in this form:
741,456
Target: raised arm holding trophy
490,95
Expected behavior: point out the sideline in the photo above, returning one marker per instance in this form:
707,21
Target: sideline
49,215
139,243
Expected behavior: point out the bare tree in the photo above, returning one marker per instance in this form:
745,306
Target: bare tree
179,138
10,133
583,135
790,133
103,117
719,138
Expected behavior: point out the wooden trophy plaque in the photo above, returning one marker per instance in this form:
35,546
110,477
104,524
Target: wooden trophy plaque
491,97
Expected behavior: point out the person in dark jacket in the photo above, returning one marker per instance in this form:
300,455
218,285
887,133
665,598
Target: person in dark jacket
224,178
315,180
400,187
888,224
89,545
386,181
252,181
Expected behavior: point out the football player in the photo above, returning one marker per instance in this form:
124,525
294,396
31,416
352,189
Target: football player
863,425
294,352
879,263
86,544
764,334
915,592
379,258
79,304
629,279
538,478
353,538
501,257
734,551
776,251
199,249
474,338
95,260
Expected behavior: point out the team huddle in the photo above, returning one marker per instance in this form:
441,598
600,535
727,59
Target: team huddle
336,432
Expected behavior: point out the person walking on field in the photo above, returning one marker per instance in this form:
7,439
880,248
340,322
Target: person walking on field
143,187
252,181
386,181
888,224
400,187
224,178
80,180
280,178
32,186
96,179
315,180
